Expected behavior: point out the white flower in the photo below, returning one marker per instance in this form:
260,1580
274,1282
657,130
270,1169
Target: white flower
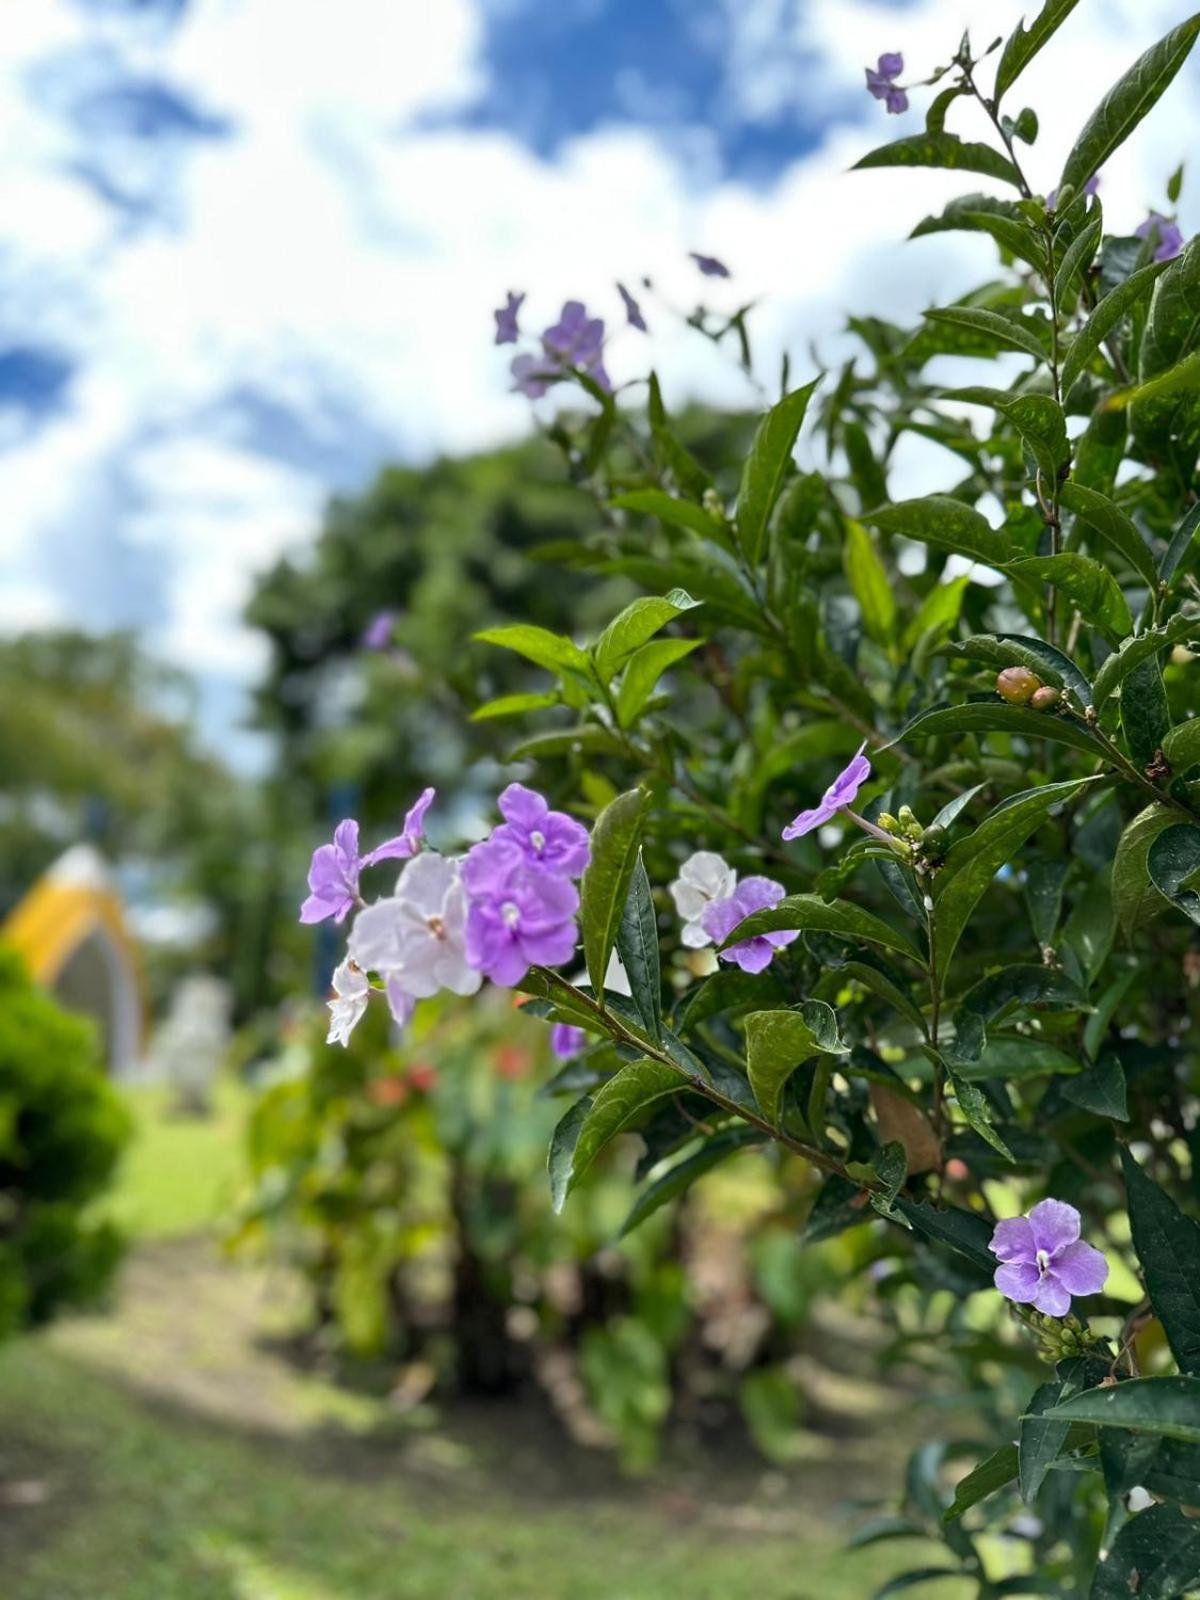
351,993
703,878
415,938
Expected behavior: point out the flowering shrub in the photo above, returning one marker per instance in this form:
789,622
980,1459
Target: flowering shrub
967,985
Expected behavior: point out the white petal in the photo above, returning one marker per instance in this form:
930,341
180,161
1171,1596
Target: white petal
693,936
349,981
426,881
344,1017
689,901
709,873
374,943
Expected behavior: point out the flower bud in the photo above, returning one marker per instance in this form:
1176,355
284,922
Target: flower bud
888,822
1017,685
1045,697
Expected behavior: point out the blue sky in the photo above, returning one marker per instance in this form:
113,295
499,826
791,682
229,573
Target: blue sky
250,248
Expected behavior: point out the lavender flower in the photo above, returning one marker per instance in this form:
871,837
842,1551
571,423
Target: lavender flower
548,839
566,1040
709,265
507,331
333,876
843,791
377,634
351,992
721,917
633,311
881,82
519,913
1043,1261
533,375
574,341
416,939
407,843
1168,238
704,878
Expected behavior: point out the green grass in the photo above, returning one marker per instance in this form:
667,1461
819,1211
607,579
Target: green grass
180,1173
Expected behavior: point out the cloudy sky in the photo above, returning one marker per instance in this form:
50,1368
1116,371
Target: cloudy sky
249,248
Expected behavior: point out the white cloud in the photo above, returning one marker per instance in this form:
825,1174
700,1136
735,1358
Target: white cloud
340,259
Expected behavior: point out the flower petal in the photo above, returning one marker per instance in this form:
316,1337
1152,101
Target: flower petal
1081,1268
1053,1298
806,821
1013,1241
1018,1280
1055,1225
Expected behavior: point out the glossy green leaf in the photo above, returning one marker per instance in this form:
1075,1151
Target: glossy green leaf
1173,325
1020,650
766,470
639,621
1127,102
672,457
539,645
1180,545
1166,1407
1182,745
637,945
964,1232
1105,319
679,1178
870,584
942,150
514,705
1040,1441
974,1105
1100,1090
777,1042
1109,522
1135,898
1133,652
996,1472
671,508
987,716
614,1107
972,863
949,524
1024,43
1156,1556
1006,332
616,839
1145,712
1086,584
1001,219
1173,861
1036,417
810,914
1168,1250
642,672
1076,259
562,1150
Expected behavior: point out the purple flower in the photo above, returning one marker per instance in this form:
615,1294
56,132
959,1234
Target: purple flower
841,792
507,331
1169,240
333,874
566,1040
377,634
709,265
1043,1262
633,311
881,82
721,917
533,375
548,839
518,915
574,341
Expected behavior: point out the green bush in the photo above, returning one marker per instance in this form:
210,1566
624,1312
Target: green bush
62,1129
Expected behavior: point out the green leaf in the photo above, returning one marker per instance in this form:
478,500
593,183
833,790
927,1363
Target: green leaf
670,508
1088,585
642,672
987,716
1156,1556
584,738
964,1232
1020,650
1001,219
616,838
1135,898
1127,102
948,524
766,469
1024,43
1100,1090
1181,543
910,1580
1040,1441
1144,647
1076,258
1145,713
938,612
973,862
810,914
672,457
1173,326
1173,860
974,1105
1007,332
871,586
512,705
684,1173
637,945
1036,417
639,621
1166,1407
942,150
999,1469
613,1107
1182,745
1104,319
777,1042
1109,522
1168,1250
539,645
562,1150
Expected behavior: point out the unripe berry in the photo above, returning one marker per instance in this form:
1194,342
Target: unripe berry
1017,685
1045,697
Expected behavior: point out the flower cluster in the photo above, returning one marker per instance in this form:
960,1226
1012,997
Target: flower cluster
451,921
712,903
881,82
575,343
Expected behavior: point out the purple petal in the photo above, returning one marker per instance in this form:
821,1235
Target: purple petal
345,840
897,101
566,1040
1013,1241
1019,1281
1052,1298
633,311
405,845
1055,1225
1081,1268
523,807
891,64
844,788
400,1004
805,821
752,955
709,265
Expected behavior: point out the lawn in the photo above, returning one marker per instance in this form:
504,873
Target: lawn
171,1450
